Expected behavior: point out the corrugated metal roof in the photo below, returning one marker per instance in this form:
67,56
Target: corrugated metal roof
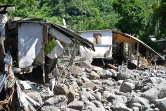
123,37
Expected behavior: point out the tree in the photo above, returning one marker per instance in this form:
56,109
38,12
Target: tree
159,19
133,16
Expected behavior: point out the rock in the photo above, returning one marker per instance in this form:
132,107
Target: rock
104,74
70,109
106,94
151,94
71,93
138,105
135,109
46,95
144,102
76,105
86,64
98,82
75,70
85,80
139,86
153,80
114,99
99,105
79,82
119,82
93,75
124,75
162,92
61,89
50,108
129,80
146,87
161,104
114,73
56,99
127,87
122,107
108,82
96,69
151,109
88,103
34,95
91,108
97,95
88,95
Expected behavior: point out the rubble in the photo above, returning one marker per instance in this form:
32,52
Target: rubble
100,89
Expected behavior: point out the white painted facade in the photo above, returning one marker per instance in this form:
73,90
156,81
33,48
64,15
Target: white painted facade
30,39
100,49
3,20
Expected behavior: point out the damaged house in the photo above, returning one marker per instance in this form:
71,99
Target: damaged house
35,42
31,46
115,47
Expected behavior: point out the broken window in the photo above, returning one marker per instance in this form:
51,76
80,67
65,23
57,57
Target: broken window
97,38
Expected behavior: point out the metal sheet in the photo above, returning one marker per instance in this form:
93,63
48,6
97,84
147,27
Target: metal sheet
123,37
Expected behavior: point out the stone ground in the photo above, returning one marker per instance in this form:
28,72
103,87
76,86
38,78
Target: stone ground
84,87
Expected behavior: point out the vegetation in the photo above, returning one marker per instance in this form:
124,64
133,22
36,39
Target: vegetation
140,18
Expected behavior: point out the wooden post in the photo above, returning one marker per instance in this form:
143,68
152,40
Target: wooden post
45,40
130,52
138,55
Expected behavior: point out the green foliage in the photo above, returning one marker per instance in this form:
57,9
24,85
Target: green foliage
133,16
140,18
159,19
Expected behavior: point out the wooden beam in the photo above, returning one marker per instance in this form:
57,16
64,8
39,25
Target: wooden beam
130,52
45,40
138,54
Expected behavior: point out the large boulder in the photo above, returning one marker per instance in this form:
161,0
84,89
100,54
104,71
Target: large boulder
124,75
76,105
56,99
153,80
61,89
127,87
71,93
162,92
161,104
104,74
114,99
151,94
144,102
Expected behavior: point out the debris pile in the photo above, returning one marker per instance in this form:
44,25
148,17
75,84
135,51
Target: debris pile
85,87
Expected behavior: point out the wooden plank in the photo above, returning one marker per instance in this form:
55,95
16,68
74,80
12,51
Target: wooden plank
45,40
138,54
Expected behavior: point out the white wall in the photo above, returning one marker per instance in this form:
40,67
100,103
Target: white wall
3,20
30,38
106,41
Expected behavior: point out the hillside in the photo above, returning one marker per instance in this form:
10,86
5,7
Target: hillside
135,17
